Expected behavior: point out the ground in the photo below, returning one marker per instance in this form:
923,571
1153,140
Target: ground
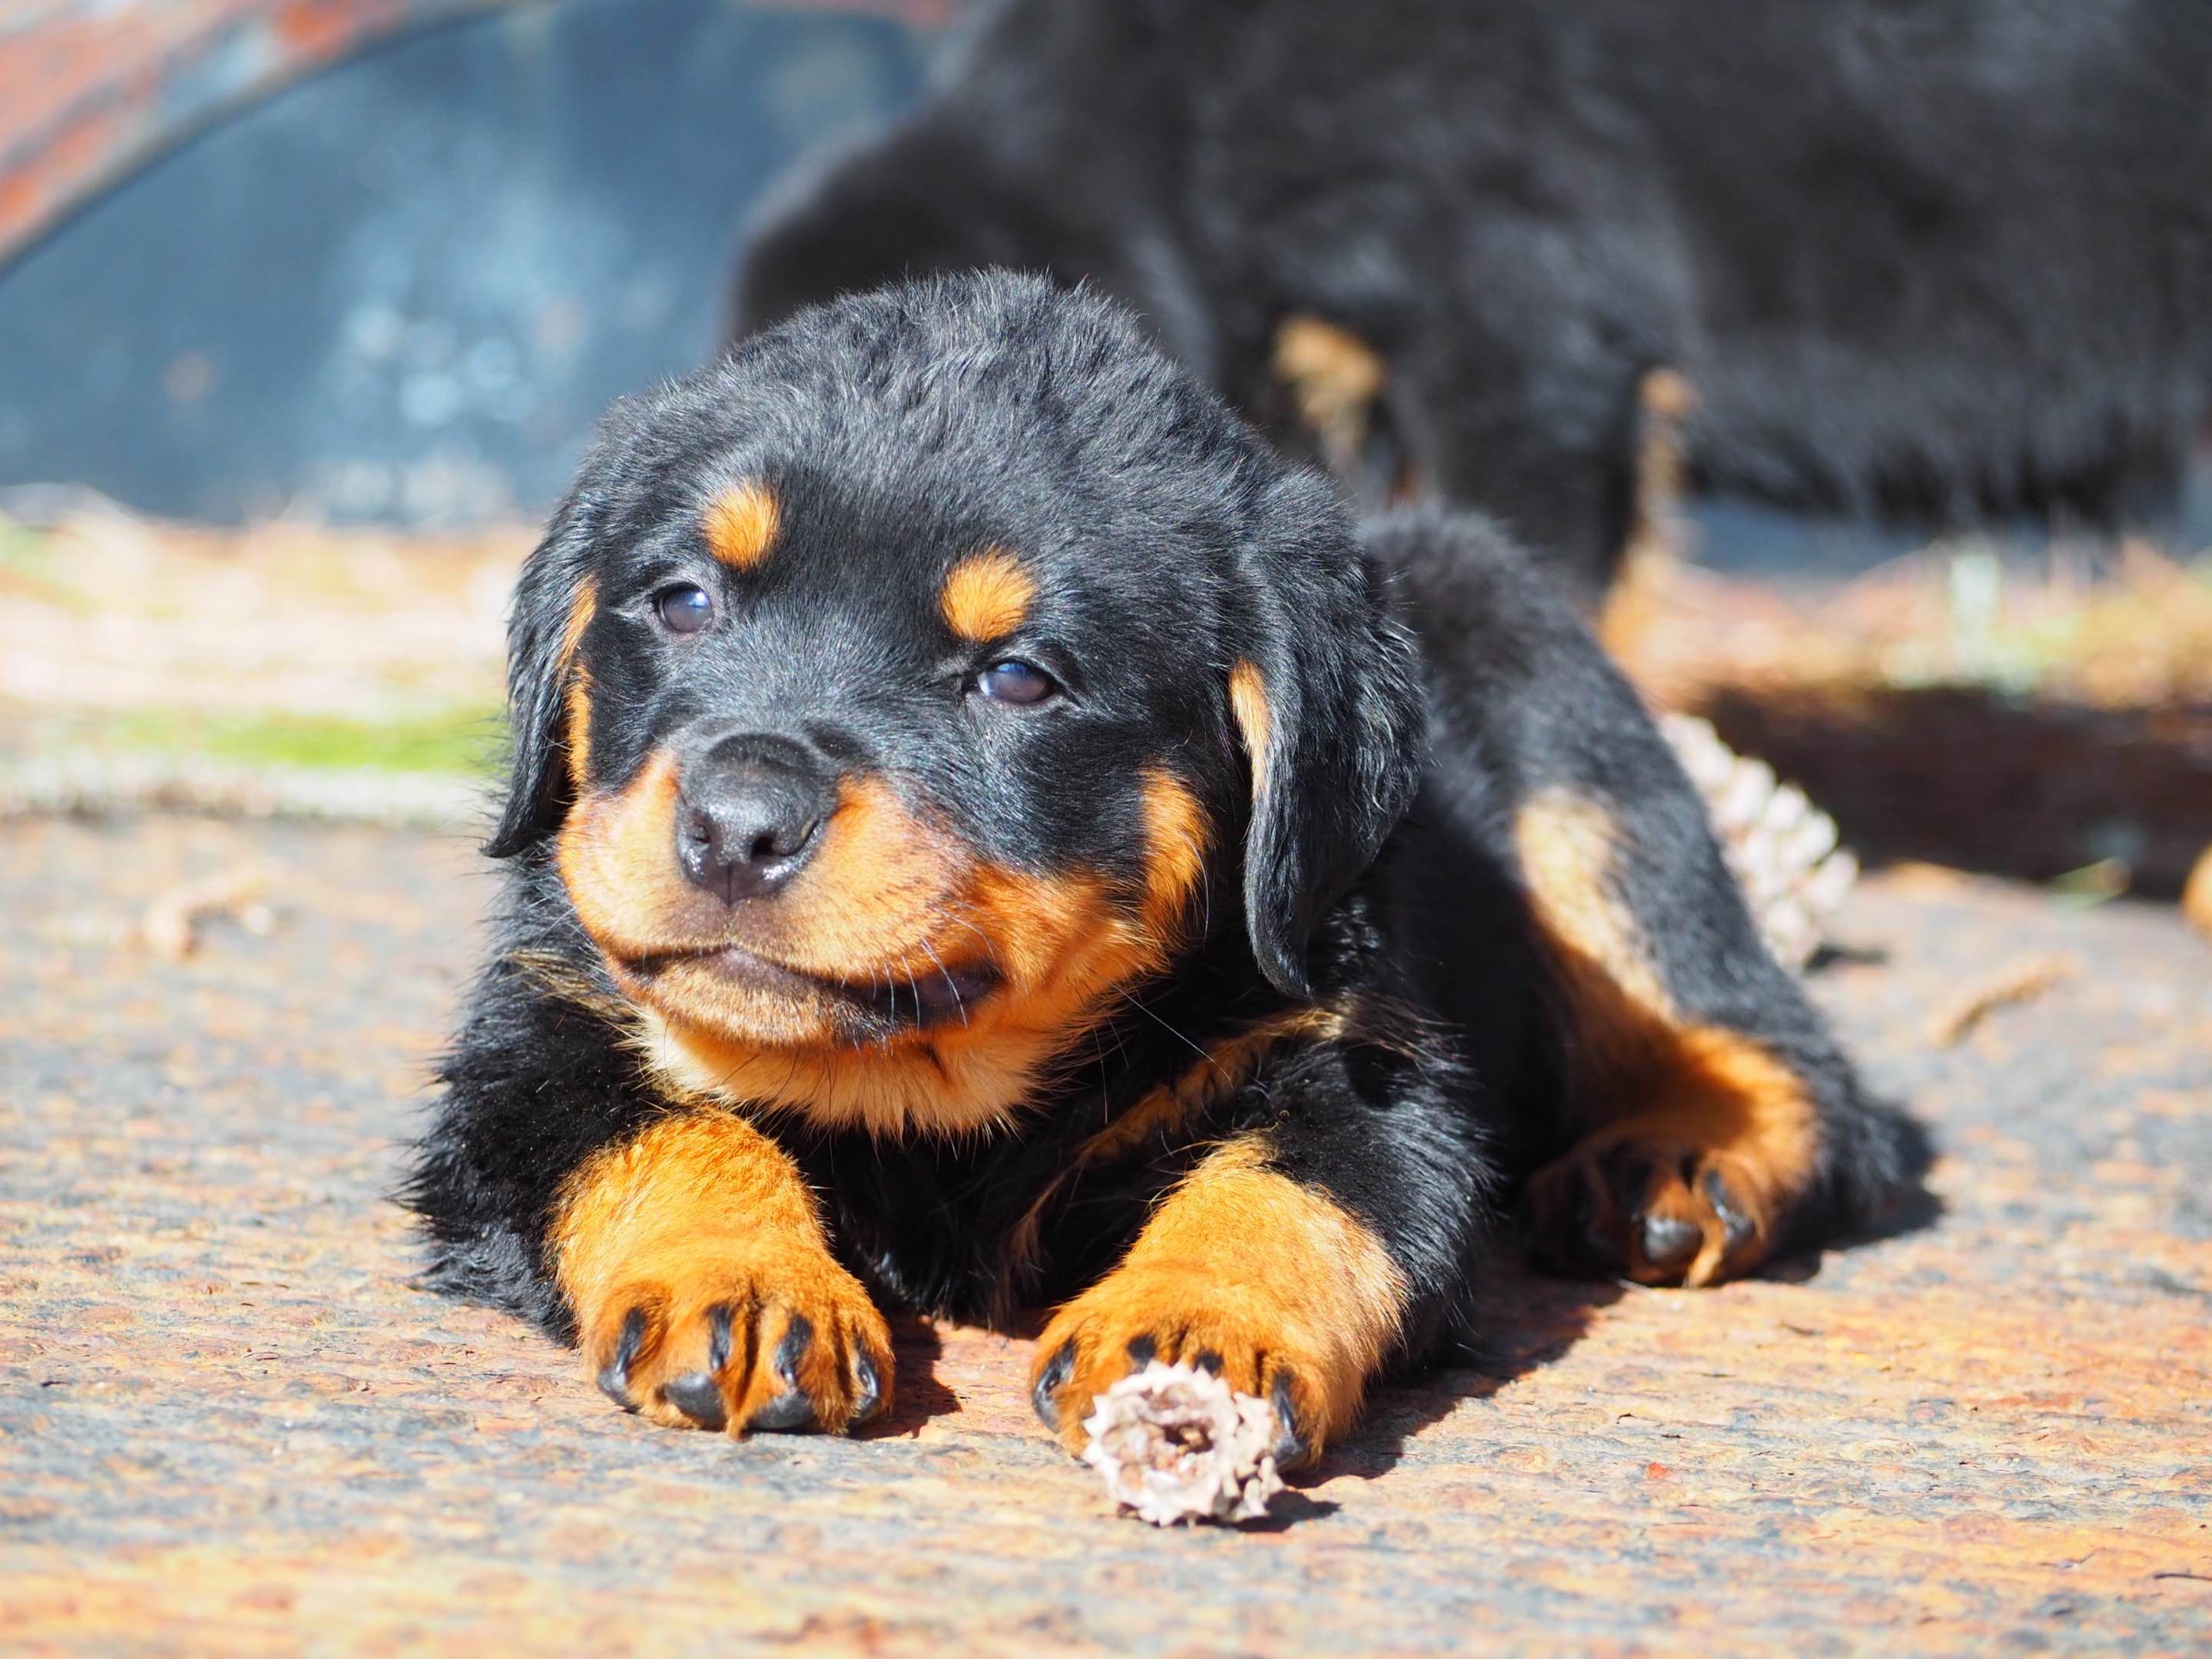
230,1422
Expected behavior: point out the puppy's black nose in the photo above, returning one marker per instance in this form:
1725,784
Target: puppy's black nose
750,812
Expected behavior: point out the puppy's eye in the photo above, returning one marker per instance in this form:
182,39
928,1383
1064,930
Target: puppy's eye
1014,681
683,609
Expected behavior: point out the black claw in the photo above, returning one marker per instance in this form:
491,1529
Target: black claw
1142,1351
869,1388
798,1337
1044,1392
614,1375
1669,1240
1291,1447
1208,1361
699,1397
718,1336
1735,1225
794,1408
787,1411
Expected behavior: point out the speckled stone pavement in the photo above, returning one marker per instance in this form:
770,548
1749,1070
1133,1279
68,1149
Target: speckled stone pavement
228,1424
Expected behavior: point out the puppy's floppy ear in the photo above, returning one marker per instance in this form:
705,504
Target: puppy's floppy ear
554,606
1326,698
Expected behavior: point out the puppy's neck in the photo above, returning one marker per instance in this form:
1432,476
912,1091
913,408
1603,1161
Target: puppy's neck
917,1086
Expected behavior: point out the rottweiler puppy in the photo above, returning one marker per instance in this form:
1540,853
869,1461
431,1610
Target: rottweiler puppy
988,833
1937,262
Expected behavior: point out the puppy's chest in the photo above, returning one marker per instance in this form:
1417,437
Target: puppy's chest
980,1232
981,1229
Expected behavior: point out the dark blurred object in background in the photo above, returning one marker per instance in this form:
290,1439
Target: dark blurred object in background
381,261
399,290
1942,264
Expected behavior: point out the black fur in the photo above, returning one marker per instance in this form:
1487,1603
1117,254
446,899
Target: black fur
904,428
1925,259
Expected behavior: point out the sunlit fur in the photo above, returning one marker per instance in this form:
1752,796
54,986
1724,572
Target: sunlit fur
886,886
576,685
1305,1323
1646,1073
987,595
1248,703
1222,996
741,525
702,1215
889,900
1164,1116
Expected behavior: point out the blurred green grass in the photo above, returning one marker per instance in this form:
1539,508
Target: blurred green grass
466,741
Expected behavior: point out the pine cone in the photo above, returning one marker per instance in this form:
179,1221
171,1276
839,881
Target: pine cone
1781,848
1175,1443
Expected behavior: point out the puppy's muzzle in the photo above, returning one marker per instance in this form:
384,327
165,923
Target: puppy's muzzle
750,811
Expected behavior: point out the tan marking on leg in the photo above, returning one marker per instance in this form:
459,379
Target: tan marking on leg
740,525
1278,1283
1652,1090
1334,378
1657,526
1164,1115
699,1221
1721,1139
987,596
1570,858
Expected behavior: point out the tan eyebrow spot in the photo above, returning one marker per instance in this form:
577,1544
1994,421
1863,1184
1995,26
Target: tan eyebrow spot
987,595
740,525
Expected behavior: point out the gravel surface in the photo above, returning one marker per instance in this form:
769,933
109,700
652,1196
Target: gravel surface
229,1422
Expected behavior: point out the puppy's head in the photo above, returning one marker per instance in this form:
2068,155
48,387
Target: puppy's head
897,694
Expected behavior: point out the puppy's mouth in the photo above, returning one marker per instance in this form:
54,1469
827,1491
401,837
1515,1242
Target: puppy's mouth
893,1000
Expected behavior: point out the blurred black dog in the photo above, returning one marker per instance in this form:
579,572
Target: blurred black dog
960,852
1926,259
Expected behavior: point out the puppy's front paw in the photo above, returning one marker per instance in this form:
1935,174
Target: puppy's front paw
1141,1313
718,1336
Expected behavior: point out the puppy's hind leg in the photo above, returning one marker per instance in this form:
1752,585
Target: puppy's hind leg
1696,1114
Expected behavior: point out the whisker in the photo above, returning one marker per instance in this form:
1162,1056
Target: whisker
950,984
1195,1048
1105,1092
990,949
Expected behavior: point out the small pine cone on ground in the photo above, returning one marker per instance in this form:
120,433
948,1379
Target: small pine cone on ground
1175,1443
1781,849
